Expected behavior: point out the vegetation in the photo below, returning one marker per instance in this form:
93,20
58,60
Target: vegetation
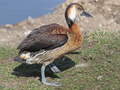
7,51
100,51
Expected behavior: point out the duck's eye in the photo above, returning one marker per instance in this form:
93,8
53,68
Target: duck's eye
78,8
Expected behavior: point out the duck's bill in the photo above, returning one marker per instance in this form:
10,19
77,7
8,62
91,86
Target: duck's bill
86,14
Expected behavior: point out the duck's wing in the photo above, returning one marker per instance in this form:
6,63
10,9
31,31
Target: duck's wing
46,37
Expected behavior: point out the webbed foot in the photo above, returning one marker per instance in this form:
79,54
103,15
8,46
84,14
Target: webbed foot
51,83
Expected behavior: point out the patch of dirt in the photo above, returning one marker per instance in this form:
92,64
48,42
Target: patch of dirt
106,16
9,60
12,83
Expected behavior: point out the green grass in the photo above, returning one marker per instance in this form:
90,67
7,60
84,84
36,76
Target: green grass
101,50
7,51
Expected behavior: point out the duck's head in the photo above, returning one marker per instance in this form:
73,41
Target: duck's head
74,10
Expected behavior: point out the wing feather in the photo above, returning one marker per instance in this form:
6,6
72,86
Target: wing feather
46,37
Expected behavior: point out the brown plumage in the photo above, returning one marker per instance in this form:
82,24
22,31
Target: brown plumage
46,43
45,37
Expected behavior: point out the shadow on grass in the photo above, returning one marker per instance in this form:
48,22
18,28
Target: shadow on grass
34,70
74,53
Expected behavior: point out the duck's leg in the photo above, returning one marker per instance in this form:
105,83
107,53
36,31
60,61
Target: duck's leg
54,68
44,79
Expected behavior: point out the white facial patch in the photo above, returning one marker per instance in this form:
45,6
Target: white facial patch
73,13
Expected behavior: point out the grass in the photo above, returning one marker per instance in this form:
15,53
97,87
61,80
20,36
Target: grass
100,50
7,51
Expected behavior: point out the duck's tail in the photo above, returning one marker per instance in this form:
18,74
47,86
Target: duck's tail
22,57
28,57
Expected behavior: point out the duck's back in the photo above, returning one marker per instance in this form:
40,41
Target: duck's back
45,37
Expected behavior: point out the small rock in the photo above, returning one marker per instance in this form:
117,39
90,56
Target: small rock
9,25
109,9
112,20
82,65
26,33
100,25
96,0
99,77
30,20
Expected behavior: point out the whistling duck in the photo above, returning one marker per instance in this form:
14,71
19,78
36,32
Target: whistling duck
48,42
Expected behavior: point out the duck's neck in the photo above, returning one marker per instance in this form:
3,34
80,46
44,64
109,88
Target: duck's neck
75,28
69,21
75,36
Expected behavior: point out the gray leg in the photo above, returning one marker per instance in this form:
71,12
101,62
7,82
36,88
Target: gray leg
54,68
44,79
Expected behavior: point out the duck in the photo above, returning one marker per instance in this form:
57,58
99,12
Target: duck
49,42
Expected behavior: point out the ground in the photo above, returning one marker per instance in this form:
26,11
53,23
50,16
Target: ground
95,66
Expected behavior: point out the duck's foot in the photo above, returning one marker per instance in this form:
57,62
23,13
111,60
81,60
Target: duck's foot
51,83
44,80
